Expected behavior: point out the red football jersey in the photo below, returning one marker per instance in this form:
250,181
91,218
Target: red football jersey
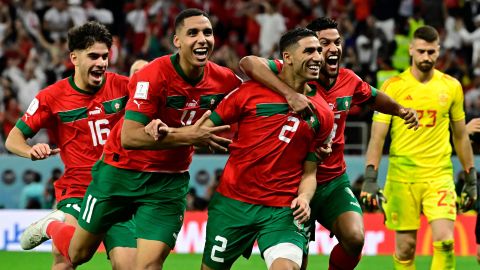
161,90
347,90
80,122
267,155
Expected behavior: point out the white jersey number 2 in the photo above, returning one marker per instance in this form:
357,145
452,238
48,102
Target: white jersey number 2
289,128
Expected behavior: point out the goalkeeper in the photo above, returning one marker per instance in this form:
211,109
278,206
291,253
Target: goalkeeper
420,172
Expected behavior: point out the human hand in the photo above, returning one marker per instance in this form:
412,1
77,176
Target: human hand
204,135
469,191
324,152
157,129
410,117
42,151
473,126
301,209
300,104
371,195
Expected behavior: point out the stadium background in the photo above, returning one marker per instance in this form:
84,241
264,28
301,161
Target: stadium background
33,54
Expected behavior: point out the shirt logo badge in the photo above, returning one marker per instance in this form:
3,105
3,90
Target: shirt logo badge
141,92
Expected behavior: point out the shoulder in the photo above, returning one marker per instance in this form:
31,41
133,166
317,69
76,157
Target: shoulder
56,89
394,81
451,81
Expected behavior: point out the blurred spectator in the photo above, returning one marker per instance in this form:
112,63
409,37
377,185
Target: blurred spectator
272,26
385,13
31,196
137,19
77,12
57,20
49,189
385,71
10,116
27,15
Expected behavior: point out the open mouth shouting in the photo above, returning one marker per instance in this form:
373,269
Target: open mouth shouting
332,63
96,76
201,54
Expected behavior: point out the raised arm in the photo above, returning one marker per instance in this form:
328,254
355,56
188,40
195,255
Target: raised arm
257,68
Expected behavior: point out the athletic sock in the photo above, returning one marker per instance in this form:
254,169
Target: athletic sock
340,260
403,265
443,255
61,235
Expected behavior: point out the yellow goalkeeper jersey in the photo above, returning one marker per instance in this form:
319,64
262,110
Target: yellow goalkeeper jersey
424,154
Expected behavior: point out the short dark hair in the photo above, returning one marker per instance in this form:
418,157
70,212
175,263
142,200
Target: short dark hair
293,36
322,23
84,36
187,13
427,33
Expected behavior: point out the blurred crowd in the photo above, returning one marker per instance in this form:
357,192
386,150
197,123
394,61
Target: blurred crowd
376,33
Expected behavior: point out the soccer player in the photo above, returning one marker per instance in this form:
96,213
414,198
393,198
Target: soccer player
334,205
151,184
420,174
80,111
263,195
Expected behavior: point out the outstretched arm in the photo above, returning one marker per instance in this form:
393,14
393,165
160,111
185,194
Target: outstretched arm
257,69
17,144
385,104
135,136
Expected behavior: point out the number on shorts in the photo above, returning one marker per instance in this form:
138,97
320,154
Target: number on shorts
220,248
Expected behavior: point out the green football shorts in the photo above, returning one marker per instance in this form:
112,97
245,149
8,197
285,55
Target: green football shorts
157,202
233,226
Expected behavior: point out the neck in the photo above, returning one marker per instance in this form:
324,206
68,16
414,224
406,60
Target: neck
421,76
298,84
190,71
326,80
80,83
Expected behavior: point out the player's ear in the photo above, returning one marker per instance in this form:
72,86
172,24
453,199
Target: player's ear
176,41
287,57
74,58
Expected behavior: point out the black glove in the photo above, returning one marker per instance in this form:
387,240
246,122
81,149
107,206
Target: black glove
469,191
371,195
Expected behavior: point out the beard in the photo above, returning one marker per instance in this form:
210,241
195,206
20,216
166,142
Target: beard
425,66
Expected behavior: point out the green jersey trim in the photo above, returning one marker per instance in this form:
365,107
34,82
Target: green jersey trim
73,115
374,91
175,62
272,66
313,90
25,129
137,117
217,121
115,105
176,102
312,157
210,101
270,109
344,103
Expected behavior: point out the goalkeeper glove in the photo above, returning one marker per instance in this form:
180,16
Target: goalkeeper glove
469,190
371,195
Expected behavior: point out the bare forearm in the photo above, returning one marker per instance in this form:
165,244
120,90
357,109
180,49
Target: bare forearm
375,144
16,143
308,184
134,137
264,75
385,104
464,151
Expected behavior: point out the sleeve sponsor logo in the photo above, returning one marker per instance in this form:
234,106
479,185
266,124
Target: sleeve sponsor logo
33,107
142,90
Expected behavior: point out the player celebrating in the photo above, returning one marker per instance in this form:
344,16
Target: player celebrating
152,185
262,194
80,111
420,175
333,204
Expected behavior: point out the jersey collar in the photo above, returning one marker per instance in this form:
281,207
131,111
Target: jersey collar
175,58
71,81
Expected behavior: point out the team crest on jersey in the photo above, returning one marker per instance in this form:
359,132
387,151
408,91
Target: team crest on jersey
116,106
141,92
443,99
33,107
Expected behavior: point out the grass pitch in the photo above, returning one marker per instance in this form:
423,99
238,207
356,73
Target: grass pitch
42,261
